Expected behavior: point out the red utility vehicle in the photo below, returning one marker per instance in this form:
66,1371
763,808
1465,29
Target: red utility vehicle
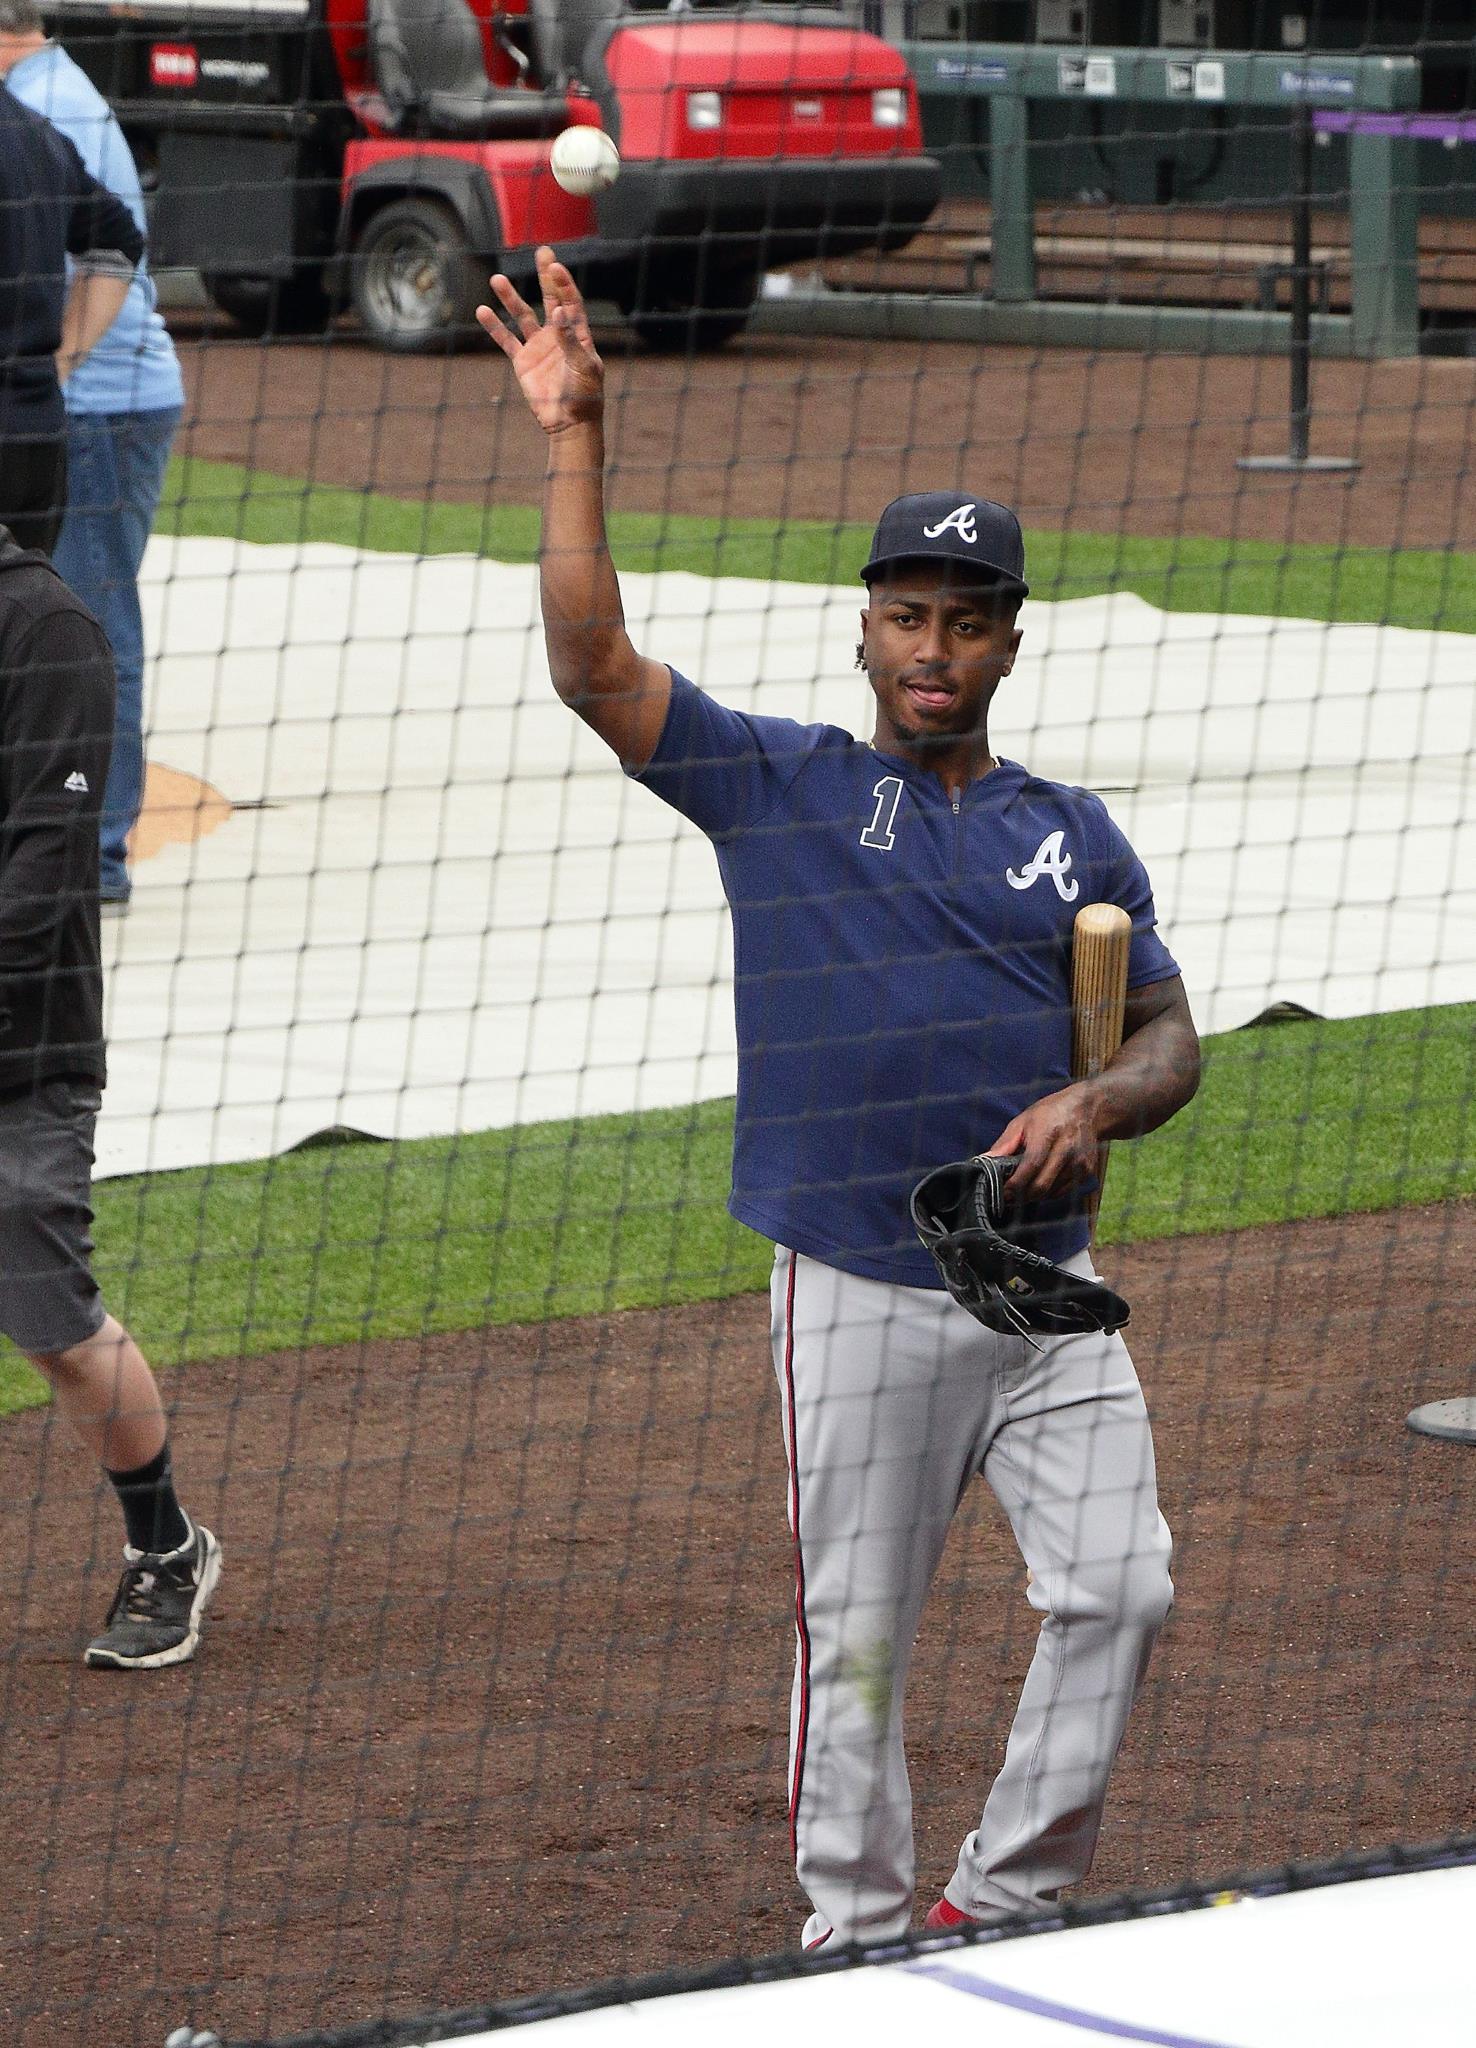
395,151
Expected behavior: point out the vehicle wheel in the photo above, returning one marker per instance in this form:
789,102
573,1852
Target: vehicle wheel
272,305
416,285
680,308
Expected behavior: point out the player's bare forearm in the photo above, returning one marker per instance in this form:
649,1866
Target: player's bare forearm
583,617
595,668
1155,1071
1152,1075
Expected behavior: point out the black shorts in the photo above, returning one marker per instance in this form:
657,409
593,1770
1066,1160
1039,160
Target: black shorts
49,1300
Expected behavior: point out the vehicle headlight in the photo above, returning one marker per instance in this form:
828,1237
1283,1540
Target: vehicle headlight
889,107
704,110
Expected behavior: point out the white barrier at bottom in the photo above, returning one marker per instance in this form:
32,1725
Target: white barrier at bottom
1380,1963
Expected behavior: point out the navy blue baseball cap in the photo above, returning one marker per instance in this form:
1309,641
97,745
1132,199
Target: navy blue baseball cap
945,526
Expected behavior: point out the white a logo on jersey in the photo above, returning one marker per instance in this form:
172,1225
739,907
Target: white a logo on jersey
962,521
76,782
1051,859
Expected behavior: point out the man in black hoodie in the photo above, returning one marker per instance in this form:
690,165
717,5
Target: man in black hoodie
51,208
56,721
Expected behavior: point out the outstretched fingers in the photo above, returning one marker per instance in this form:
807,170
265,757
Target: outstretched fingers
495,329
518,311
575,347
563,306
562,298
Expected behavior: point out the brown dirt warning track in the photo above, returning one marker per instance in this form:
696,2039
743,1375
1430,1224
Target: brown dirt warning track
494,1696
829,429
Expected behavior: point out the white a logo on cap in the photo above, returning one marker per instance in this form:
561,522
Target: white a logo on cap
962,521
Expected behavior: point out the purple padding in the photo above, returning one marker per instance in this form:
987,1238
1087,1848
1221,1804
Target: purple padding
1413,127
1048,2009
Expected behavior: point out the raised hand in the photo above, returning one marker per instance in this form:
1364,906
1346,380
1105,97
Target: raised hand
557,365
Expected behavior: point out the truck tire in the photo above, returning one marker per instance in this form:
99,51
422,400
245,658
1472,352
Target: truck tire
679,307
271,305
415,282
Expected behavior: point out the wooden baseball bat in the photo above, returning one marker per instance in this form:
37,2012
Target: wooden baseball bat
1100,941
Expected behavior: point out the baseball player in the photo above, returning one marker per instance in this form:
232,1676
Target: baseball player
902,914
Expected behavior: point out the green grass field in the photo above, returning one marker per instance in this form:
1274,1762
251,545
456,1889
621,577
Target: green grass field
1401,588
337,1243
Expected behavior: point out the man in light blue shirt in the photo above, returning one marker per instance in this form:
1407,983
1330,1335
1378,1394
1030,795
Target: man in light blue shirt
124,402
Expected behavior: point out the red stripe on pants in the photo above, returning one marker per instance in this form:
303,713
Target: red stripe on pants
797,1778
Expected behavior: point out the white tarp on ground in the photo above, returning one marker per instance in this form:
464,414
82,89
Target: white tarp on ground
451,911
1386,1963
1368,1965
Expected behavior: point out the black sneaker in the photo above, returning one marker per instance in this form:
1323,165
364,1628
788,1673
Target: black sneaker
156,1612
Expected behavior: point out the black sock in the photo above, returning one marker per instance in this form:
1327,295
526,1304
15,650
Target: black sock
155,1519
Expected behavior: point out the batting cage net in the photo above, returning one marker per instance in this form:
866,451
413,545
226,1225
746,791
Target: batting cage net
573,1538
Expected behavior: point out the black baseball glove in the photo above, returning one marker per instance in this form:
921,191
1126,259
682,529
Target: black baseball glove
957,1211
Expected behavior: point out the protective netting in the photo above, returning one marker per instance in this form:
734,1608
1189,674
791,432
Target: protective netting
413,1162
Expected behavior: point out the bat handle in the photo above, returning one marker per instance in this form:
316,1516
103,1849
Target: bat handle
1100,943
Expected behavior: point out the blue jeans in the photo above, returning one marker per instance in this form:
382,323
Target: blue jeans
115,472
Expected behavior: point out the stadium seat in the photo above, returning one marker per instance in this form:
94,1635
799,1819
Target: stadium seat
431,74
563,33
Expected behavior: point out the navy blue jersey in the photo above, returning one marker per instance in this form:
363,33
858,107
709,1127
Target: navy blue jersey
901,965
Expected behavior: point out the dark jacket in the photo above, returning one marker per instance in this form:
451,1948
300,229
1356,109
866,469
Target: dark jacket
51,207
56,732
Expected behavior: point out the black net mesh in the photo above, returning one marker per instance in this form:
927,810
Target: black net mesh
412,1171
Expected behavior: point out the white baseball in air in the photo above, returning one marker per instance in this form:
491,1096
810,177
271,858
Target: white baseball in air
584,160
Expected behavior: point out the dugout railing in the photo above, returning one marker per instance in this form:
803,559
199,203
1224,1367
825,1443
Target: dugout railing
978,100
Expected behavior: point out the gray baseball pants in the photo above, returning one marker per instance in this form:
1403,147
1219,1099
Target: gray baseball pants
893,1398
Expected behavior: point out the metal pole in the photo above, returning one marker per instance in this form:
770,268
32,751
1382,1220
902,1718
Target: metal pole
1299,358
1301,283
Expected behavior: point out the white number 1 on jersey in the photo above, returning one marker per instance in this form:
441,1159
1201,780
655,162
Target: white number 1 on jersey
888,794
